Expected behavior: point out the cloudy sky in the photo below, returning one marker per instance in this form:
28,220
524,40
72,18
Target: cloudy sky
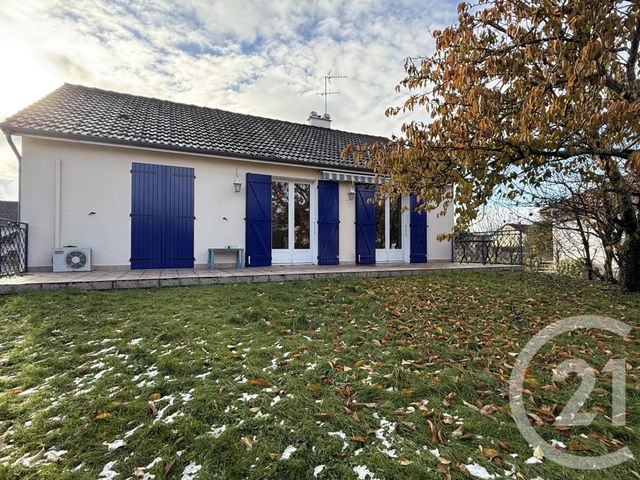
260,57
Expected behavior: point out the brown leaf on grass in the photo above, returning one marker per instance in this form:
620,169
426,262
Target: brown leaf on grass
410,425
98,415
404,462
168,466
259,382
153,408
443,466
484,411
14,391
489,453
314,389
370,405
503,445
358,439
275,456
436,436
322,416
247,442
458,432
538,422
155,396
449,399
407,392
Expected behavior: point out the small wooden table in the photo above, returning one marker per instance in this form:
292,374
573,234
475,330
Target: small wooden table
239,255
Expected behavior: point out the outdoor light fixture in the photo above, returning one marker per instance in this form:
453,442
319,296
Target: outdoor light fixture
237,184
351,193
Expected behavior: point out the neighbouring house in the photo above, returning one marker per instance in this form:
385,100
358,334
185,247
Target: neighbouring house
535,240
8,210
148,183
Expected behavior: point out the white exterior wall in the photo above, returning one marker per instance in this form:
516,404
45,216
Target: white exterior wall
439,251
97,178
567,245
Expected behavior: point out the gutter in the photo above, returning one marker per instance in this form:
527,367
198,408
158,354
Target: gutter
19,157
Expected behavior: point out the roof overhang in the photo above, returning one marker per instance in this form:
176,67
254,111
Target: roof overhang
172,149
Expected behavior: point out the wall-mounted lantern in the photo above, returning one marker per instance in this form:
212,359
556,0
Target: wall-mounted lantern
351,193
237,184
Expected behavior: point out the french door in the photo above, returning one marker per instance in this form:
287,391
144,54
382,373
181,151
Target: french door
292,239
391,241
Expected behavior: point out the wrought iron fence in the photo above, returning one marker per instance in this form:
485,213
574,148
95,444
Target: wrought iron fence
14,242
499,247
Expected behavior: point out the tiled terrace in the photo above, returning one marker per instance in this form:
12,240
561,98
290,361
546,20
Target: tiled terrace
106,280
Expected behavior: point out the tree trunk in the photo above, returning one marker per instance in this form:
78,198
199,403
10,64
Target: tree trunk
630,255
630,262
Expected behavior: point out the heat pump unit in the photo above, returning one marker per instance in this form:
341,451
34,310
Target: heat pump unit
72,259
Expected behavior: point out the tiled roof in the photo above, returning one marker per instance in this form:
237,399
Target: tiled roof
95,115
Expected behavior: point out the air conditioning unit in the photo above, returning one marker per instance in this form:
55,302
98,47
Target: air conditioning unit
72,259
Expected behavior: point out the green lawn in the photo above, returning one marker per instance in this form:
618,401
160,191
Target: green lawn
278,380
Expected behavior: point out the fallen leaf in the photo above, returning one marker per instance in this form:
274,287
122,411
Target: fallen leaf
169,465
97,415
314,389
538,453
153,408
247,442
155,396
489,453
404,462
259,382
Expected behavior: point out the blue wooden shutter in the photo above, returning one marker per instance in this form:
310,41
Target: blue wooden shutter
365,224
418,232
179,217
258,220
147,216
328,222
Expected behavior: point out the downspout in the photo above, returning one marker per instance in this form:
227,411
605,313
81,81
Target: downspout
19,157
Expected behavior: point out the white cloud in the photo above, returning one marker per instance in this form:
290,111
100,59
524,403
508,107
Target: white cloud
258,57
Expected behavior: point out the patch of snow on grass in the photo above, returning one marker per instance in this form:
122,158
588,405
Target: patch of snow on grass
290,450
135,341
363,473
248,397
343,436
318,470
217,431
118,443
190,471
107,471
132,431
479,471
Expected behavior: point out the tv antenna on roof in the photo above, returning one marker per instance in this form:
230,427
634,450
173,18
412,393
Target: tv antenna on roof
327,82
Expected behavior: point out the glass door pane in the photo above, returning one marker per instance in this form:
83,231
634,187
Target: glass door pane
380,225
302,216
395,225
280,215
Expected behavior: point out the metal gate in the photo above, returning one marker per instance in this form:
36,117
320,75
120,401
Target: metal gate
14,244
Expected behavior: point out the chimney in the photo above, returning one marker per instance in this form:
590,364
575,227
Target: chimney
317,120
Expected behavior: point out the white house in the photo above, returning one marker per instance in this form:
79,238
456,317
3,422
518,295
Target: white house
148,183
